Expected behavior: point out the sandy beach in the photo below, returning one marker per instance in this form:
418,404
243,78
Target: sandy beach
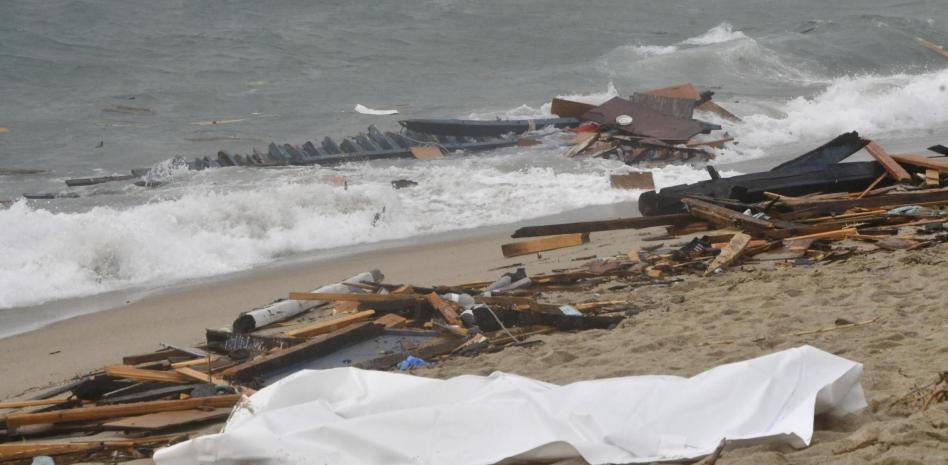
884,310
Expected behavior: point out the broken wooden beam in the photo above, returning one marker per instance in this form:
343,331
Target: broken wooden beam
725,217
607,225
939,164
891,166
314,348
140,374
328,326
731,252
544,244
15,420
449,310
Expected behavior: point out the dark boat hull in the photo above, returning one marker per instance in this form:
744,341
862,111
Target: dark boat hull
471,128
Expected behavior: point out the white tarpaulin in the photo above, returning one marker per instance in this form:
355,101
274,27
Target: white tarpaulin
355,417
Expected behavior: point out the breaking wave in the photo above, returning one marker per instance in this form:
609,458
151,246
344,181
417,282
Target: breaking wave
218,225
902,104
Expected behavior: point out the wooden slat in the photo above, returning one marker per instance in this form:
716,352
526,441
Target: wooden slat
153,356
449,310
391,321
543,244
730,253
27,450
123,410
162,420
311,349
140,374
425,351
32,403
328,326
891,166
835,234
195,362
609,225
940,164
200,376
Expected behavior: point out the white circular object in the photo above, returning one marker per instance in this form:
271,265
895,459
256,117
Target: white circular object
623,120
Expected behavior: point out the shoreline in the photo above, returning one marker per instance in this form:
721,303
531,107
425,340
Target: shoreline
64,349
24,320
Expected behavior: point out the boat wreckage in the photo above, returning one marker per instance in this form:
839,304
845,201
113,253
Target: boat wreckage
655,127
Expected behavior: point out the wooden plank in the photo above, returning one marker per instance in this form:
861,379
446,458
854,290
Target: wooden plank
826,207
608,225
122,410
33,403
940,164
391,321
835,234
725,217
328,326
140,374
162,420
543,244
163,354
568,108
891,166
633,180
314,348
448,309
733,251
195,362
28,450
932,46
370,298
427,152
200,376
687,91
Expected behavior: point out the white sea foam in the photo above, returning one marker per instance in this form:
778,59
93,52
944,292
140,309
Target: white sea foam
723,32
212,223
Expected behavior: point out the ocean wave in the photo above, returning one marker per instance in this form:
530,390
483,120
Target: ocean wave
216,223
873,105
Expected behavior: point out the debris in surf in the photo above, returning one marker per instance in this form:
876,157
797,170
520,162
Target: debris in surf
808,210
369,111
932,46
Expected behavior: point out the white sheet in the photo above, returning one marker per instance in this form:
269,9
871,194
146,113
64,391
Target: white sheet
350,416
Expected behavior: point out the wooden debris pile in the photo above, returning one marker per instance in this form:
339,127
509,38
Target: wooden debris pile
655,127
127,410
789,215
